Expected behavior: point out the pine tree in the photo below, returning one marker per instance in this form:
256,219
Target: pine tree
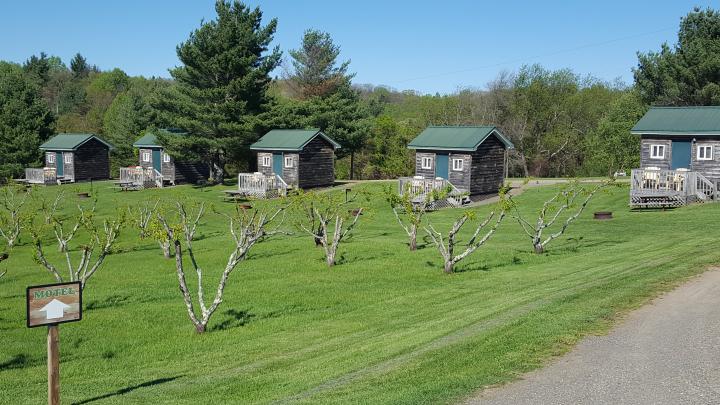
315,67
25,121
221,87
79,66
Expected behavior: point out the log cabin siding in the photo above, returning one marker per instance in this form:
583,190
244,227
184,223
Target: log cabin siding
488,167
91,161
316,164
419,171
190,172
290,174
461,179
268,169
708,168
645,159
68,167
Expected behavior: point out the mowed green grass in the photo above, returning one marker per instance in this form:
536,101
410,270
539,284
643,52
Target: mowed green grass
383,326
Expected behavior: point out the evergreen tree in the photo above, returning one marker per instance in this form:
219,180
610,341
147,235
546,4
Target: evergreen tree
221,87
25,121
689,72
315,67
38,68
79,66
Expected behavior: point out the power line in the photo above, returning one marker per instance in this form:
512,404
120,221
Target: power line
592,45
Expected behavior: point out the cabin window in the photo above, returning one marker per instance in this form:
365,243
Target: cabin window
266,161
288,162
146,156
427,162
458,165
51,157
657,151
166,158
68,158
704,152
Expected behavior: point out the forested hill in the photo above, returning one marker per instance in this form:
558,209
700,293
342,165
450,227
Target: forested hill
225,94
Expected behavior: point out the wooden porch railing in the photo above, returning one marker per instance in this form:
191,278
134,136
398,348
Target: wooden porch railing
682,185
261,185
141,176
45,175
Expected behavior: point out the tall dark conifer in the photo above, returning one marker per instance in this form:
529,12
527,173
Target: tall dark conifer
221,87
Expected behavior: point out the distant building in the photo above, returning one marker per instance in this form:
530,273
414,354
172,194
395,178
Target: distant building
152,155
76,157
303,158
473,159
679,161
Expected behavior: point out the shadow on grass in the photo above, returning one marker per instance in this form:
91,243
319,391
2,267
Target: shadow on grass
111,301
18,361
234,318
126,390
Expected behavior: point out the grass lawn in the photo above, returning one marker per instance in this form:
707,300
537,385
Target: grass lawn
384,326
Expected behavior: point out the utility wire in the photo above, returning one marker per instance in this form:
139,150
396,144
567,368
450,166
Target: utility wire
592,45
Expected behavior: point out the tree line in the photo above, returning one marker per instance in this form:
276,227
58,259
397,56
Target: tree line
224,95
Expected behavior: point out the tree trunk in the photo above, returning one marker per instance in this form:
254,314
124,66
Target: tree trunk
448,267
330,258
200,328
352,164
165,246
539,248
413,238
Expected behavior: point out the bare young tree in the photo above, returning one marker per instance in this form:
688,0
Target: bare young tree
410,208
565,199
326,218
99,239
446,246
12,216
146,221
247,229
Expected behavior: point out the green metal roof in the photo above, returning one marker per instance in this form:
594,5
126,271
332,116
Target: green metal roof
149,140
293,140
456,138
70,141
679,121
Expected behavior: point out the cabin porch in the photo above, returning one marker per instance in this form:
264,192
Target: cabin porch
138,177
45,175
659,188
421,187
258,185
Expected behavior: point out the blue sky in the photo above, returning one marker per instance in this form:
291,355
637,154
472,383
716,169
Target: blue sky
430,46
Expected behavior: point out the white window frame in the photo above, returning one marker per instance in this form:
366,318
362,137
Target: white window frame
266,161
68,158
657,147
426,162
708,152
166,158
146,156
50,157
289,164
458,164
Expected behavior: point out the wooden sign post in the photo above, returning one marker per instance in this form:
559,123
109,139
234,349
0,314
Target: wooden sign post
53,304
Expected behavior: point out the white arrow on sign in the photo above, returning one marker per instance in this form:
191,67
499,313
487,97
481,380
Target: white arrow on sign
54,309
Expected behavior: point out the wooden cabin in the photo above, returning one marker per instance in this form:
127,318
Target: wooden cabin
291,158
679,157
470,159
71,158
161,168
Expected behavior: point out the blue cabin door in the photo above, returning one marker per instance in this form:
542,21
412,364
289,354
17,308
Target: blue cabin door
278,163
157,163
441,165
59,164
680,155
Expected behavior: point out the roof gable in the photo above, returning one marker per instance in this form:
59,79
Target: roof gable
679,121
70,142
464,138
292,140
